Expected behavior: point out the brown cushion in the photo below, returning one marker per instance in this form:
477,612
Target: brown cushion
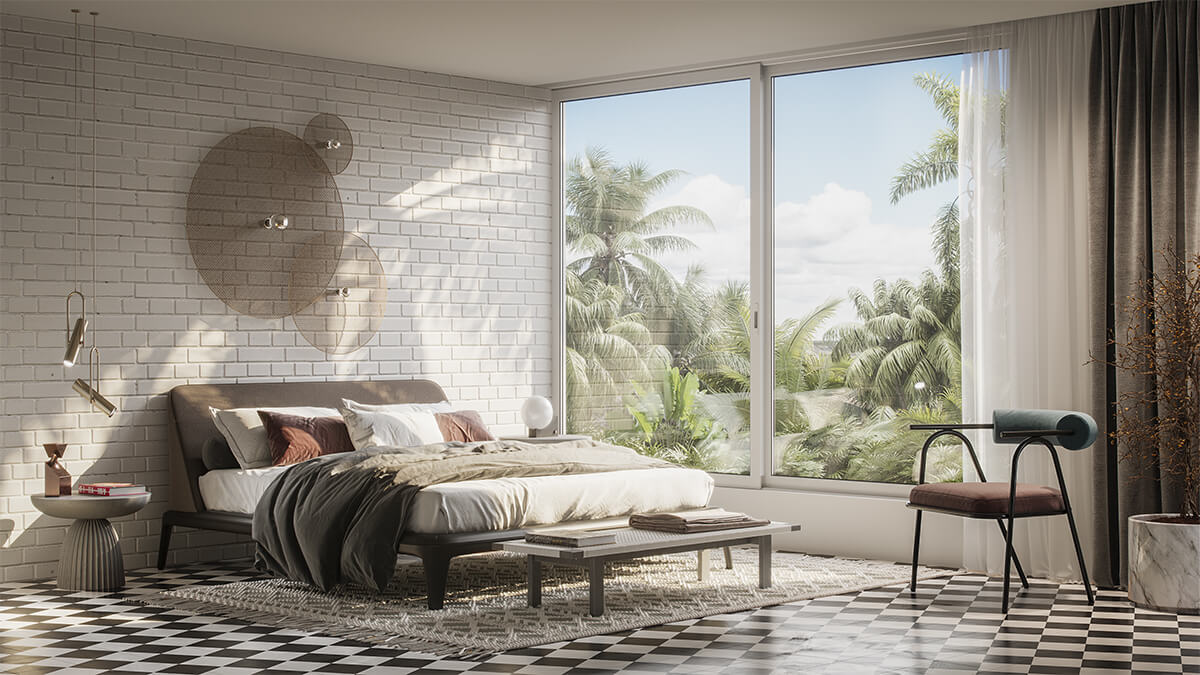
292,438
465,425
986,498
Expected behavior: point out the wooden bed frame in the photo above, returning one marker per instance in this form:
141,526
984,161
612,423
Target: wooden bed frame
190,426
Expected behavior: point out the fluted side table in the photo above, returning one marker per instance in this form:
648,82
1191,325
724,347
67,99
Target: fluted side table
91,552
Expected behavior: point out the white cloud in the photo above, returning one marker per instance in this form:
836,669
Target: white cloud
824,245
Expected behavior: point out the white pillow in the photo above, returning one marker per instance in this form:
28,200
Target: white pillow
247,437
440,407
401,429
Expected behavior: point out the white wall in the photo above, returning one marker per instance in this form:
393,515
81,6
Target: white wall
450,184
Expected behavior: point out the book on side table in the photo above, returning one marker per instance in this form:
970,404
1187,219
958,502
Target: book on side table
111,489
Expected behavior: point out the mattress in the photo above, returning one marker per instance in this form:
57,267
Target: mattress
501,503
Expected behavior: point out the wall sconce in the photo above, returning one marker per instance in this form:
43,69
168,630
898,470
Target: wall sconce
74,336
90,390
329,145
276,221
342,293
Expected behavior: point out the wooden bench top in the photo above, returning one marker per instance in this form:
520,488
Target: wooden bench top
634,542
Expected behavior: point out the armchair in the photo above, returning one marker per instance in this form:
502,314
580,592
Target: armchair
1004,502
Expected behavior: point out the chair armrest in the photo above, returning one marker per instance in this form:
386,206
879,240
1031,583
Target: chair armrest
931,427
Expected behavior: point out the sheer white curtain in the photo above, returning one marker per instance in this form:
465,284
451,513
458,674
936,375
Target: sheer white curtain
1023,161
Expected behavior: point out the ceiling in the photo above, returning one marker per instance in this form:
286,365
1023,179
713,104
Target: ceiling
548,42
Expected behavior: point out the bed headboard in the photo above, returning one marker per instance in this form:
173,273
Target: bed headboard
190,425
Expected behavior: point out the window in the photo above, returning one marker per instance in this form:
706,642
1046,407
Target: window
866,269
672,245
656,208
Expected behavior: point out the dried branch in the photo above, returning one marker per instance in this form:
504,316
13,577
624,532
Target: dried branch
1158,423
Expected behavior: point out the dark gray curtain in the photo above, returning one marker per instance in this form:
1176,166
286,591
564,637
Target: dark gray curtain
1144,195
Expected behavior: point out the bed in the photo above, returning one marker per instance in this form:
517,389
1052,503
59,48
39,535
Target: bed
445,521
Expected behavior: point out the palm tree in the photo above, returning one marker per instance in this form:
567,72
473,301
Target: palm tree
608,349
608,224
936,165
907,349
710,332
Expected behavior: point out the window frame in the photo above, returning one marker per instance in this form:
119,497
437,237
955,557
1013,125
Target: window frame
761,74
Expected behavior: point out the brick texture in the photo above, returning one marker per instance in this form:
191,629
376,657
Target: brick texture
449,183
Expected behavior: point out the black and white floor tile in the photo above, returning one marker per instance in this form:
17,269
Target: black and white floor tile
953,625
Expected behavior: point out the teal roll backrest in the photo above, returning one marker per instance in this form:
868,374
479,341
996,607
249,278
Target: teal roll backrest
1081,426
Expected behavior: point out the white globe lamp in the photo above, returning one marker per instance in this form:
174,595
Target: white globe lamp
537,413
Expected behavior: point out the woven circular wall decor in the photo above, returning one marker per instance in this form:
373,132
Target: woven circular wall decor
248,177
331,138
346,313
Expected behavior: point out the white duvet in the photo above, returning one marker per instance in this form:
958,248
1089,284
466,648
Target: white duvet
502,503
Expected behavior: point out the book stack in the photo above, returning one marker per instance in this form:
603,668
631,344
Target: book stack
573,537
111,489
687,522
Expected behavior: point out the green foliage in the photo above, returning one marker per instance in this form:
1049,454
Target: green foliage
906,350
607,224
939,162
607,350
876,447
671,424
935,165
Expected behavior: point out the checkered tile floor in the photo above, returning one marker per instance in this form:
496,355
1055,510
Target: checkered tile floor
953,625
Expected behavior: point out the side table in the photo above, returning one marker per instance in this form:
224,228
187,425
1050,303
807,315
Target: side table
91,554
557,438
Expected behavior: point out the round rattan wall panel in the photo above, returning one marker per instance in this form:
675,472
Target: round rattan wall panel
331,138
347,312
250,176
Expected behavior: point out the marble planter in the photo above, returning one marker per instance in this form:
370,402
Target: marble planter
1164,565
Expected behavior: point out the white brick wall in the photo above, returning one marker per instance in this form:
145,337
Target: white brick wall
450,184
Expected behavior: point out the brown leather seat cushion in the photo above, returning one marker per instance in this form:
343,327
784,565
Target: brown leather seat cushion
986,498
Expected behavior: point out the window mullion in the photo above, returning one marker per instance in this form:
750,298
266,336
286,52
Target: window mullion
762,414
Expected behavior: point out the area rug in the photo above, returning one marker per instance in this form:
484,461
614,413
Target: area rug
486,608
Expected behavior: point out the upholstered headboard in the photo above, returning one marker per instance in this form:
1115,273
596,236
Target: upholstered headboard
190,425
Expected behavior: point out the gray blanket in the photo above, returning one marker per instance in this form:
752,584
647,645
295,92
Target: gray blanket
337,519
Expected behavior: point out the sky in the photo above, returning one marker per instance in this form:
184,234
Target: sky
840,136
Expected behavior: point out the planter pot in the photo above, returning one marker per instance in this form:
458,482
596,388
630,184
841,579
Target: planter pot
1164,565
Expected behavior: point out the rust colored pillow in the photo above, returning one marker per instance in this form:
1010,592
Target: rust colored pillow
292,438
464,425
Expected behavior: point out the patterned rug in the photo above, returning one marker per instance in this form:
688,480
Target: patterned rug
486,608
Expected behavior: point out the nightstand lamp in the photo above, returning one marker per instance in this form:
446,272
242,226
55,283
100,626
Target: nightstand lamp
537,413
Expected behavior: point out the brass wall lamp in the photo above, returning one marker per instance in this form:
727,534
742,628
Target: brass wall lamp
74,335
90,390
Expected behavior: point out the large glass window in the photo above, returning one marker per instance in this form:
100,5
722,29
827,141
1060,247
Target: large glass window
655,198
866,282
660,257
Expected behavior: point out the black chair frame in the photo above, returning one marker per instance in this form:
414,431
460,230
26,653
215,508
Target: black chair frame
1038,436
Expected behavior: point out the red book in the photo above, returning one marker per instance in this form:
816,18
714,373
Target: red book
111,489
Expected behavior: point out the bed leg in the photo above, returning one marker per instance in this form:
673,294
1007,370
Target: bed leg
437,568
164,540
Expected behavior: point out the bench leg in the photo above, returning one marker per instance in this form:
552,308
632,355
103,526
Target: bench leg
764,562
596,587
703,561
534,590
728,558
437,568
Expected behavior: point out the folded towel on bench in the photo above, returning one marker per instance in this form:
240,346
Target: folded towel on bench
685,522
